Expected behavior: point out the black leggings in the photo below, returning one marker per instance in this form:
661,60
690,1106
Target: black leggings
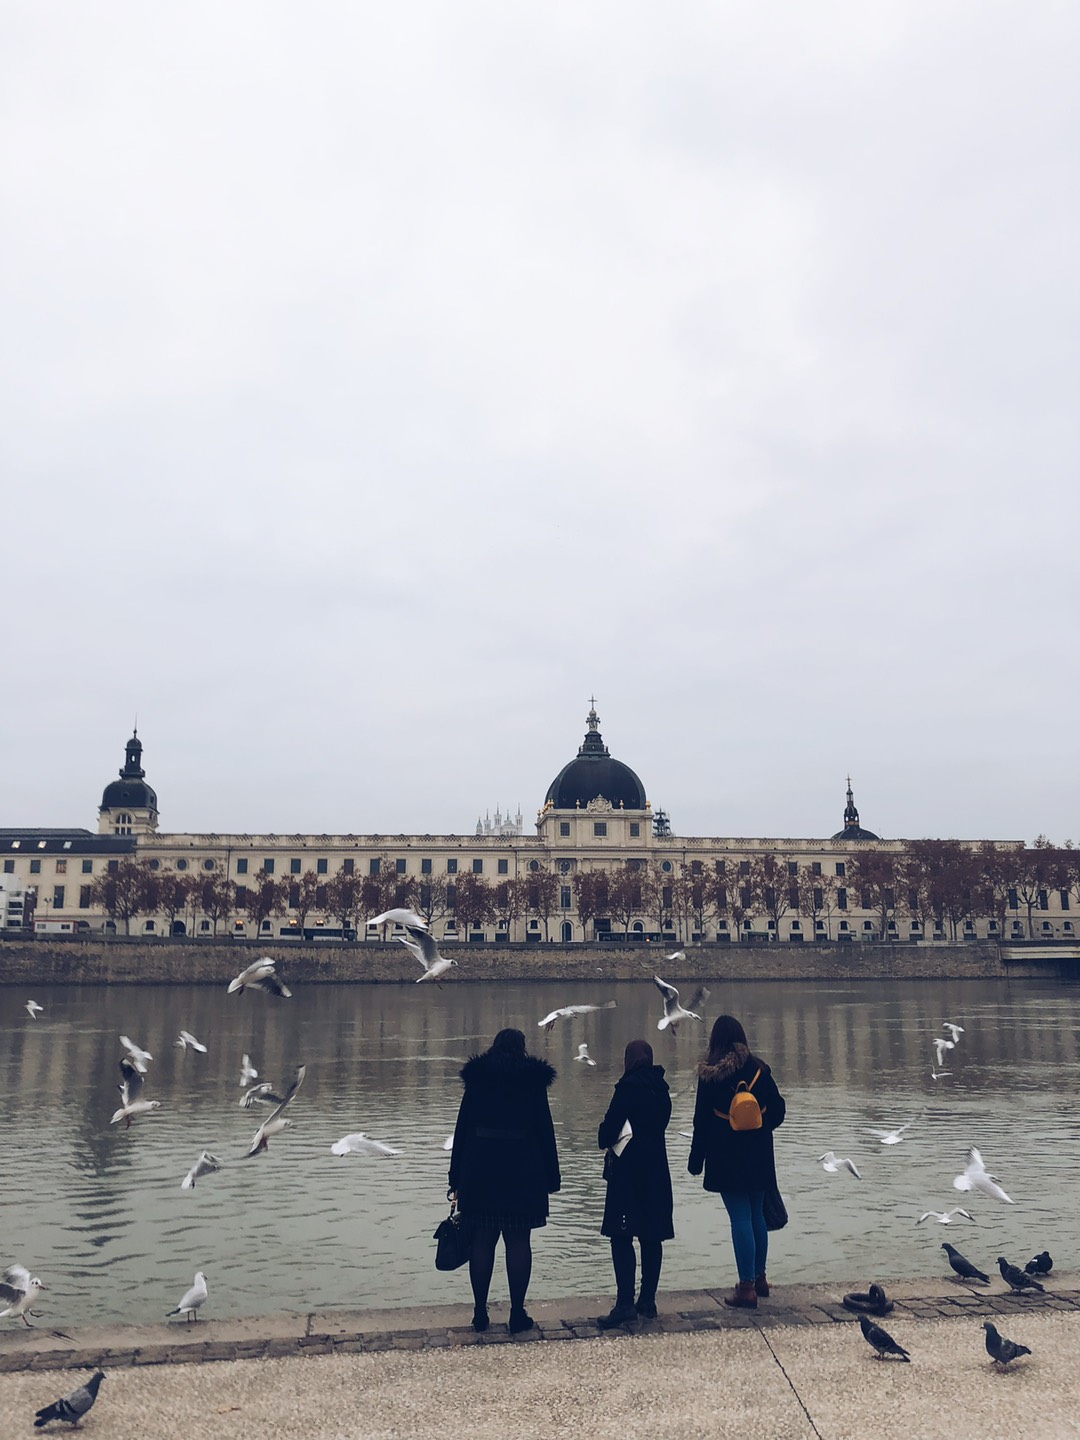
625,1263
517,1245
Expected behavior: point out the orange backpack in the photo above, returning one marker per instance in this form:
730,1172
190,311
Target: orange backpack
745,1112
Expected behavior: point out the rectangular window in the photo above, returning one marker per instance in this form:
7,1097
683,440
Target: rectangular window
841,898
599,827
744,867
793,896
635,829
564,897
1064,899
478,867
348,866
58,897
695,867
320,897
112,866
721,867
9,867
819,898
268,865
61,867
294,867
88,867
241,866
1044,900
425,867
746,898
241,897
1014,903
35,867
564,828
451,867
84,897
841,868
399,867
793,867
665,897
321,867
294,896
815,868
721,898
373,866
504,868
864,899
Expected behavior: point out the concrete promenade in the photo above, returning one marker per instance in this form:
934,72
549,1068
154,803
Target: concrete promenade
798,1367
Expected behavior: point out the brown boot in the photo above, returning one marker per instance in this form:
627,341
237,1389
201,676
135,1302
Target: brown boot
761,1285
745,1297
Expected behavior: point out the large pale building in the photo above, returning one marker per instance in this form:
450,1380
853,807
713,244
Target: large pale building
498,884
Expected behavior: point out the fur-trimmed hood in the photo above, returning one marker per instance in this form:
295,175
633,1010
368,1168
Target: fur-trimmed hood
499,1069
726,1067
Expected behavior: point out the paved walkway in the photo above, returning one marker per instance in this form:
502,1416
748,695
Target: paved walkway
797,1367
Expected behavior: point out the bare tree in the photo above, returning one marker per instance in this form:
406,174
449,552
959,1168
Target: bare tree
542,891
343,899
590,896
474,903
266,897
817,897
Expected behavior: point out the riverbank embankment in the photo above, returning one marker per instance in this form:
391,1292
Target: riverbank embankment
120,960
797,1368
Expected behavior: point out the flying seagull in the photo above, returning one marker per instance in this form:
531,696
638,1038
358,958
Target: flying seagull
674,1013
206,1164
409,918
361,1144
72,1407
188,1041
425,948
1000,1350
944,1216
130,1088
940,1046
136,1055
962,1266
954,1030
1018,1279
33,1009
275,1122
248,1073
891,1137
193,1298
18,1291
263,1094
583,1055
568,1011
262,976
833,1164
936,1074
977,1177
881,1340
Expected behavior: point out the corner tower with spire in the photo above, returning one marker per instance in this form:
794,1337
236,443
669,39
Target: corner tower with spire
128,805
852,829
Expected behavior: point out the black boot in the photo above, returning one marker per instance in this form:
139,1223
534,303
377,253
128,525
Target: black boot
646,1308
622,1313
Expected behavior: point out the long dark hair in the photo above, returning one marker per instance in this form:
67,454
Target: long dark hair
726,1034
638,1054
508,1042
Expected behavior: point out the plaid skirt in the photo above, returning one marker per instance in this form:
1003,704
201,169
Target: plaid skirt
488,1220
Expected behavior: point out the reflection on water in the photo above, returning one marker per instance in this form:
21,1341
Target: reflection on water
98,1212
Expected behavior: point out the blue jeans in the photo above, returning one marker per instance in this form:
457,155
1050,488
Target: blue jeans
749,1233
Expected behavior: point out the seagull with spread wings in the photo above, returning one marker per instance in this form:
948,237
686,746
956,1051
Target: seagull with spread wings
674,1013
275,1122
567,1012
425,948
409,918
261,975
977,1177
130,1088
206,1164
18,1291
832,1164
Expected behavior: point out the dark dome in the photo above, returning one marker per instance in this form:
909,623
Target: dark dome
128,795
593,774
852,829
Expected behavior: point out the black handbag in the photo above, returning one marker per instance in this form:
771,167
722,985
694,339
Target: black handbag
453,1241
775,1211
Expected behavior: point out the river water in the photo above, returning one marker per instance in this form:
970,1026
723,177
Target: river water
96,1210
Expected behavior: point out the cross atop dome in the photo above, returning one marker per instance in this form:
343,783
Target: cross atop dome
592,719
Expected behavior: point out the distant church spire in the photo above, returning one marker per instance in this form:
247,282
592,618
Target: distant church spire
851,815
593,744
853,830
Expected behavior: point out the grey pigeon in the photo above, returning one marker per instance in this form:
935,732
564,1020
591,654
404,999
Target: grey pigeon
963,1268
1040,1264
1000,1350
1014,1276
881,1340
72,1407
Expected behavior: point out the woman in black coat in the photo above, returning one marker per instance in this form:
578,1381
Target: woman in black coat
638,1198
737,1163
504,1166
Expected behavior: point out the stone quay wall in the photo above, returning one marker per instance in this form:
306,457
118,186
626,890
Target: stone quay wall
120,960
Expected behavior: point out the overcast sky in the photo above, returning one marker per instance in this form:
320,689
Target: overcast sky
382,381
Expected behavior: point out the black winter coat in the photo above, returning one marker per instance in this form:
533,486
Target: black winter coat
638,1198
737,1160
504,1162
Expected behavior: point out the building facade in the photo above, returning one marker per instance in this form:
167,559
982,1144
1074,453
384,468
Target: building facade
600,865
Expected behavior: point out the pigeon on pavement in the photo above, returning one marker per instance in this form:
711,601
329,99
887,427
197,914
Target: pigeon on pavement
962,1266
72,1407
1040,1264
881,1340
1017,1278
1000,1350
